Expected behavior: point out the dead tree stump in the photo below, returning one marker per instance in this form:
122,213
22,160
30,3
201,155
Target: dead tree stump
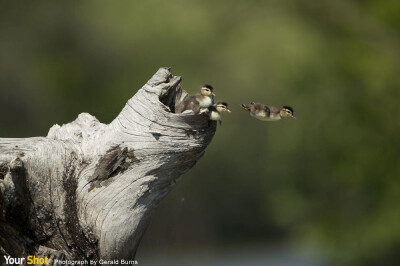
87,190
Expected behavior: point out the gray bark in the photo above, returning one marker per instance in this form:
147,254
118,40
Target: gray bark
87,190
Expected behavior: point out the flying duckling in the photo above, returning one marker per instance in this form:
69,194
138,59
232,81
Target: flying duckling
217,109
268,113
204,99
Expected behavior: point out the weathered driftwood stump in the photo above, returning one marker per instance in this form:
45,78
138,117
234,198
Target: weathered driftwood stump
87,190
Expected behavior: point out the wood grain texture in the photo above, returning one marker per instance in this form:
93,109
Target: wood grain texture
87,190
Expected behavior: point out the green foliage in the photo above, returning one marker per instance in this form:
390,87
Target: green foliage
330,178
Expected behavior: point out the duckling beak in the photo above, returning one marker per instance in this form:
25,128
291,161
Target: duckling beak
228,111
213,94
293,117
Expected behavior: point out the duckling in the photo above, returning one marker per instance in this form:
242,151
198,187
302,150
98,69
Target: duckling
217,109
268,113
204,99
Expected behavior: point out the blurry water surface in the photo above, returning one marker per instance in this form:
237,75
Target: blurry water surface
247,256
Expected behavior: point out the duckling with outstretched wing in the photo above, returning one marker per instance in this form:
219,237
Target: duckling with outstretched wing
268,113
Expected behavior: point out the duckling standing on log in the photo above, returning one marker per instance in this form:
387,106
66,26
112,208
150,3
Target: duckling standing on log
268,113
217,109
204,99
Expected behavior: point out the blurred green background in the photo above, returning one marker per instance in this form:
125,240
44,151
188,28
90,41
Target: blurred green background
320,190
